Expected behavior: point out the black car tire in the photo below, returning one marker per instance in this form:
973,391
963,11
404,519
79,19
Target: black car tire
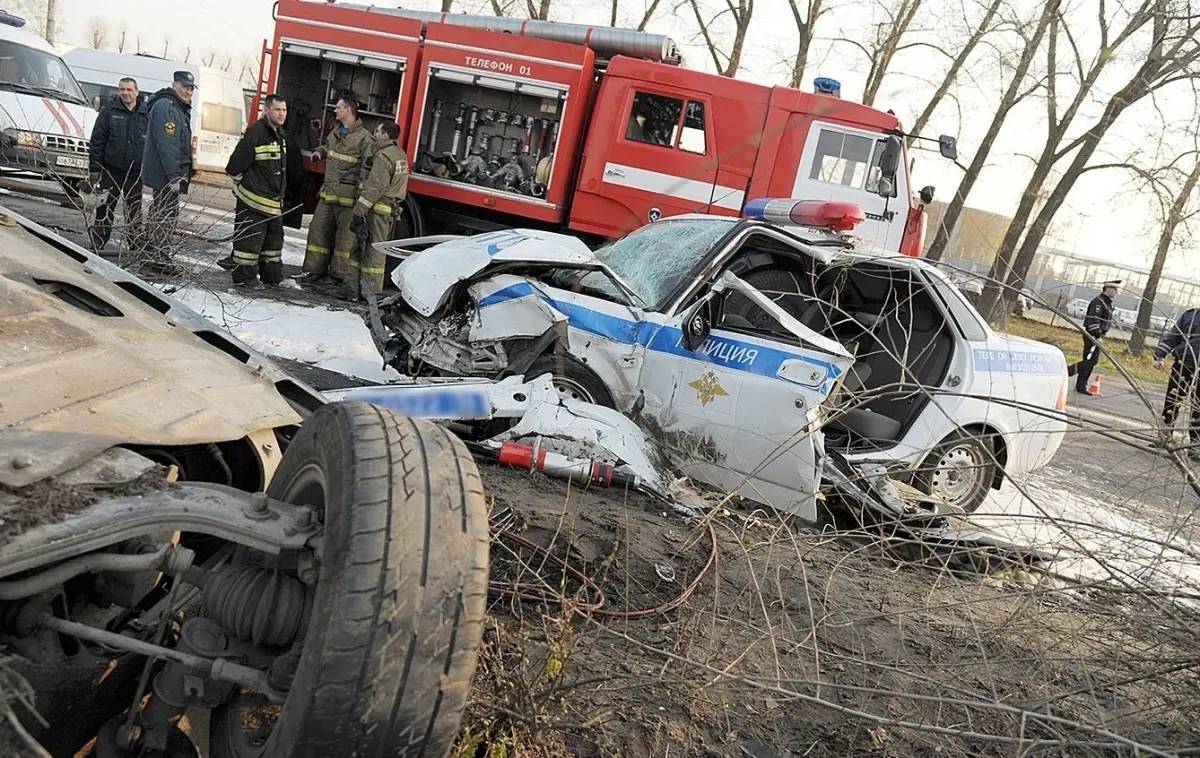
393,640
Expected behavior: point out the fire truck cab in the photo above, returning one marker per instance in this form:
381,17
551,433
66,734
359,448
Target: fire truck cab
591,130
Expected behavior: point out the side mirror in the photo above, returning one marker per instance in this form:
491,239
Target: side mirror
948,146
96,102
926,194
697,324
889,164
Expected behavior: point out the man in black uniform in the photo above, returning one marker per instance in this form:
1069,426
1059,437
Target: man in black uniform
1182,341
115,162
259,170
1096,324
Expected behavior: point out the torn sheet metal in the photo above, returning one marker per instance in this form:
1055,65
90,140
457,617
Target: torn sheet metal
510,307
426,277
578,430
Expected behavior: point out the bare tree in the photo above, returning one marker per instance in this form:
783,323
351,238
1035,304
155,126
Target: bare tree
538,9
121,39
806,24
447,5
1178,207
137,44
727,61
208,58
97,33
166,46
986,25
1171,57
885,41
1017,90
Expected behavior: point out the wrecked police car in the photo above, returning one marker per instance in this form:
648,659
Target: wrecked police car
184,528
745,346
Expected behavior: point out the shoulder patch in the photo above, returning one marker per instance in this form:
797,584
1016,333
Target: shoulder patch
169,128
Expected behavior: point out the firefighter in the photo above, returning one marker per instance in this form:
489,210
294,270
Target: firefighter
167,160
385,183
1182,342
258,167
115,163
344,152
1096,324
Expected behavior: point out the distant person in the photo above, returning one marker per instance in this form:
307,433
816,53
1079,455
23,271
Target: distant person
258,166
167,161
344,151
1182,342
1096,323
385,185
115,163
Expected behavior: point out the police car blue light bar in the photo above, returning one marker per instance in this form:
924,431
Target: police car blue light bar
827,86
9,19
836,216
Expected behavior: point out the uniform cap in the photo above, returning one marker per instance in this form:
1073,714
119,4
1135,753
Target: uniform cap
185,78
1112,283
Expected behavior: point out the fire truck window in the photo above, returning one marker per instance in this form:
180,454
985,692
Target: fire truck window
842,158
654,119
691,139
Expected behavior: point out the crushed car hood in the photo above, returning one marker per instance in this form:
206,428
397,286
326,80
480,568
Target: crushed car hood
89,349
425,278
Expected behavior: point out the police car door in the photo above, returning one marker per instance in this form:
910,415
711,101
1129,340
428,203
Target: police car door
736,406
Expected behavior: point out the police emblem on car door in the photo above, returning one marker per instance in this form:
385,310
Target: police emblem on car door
734,404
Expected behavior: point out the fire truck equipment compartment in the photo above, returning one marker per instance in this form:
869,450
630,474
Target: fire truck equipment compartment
316,77
606,41
491,131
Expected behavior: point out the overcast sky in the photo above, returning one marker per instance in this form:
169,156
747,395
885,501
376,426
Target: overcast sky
1102,219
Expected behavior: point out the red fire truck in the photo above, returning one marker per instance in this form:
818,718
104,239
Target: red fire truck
514,123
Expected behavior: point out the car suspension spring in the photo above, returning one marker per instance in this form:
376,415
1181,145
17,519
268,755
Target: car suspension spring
259,605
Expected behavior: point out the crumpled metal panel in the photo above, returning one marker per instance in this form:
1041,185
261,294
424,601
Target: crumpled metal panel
80,354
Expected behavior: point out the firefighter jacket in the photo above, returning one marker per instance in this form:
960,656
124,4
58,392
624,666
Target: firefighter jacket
168,153
258,167
118,139
1098,319
1182,340
385,181
344,150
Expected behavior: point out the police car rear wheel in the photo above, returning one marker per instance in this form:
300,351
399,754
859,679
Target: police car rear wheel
960,471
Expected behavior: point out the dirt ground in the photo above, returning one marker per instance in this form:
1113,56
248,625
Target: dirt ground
798,643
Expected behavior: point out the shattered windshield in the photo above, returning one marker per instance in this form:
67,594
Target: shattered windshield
654,259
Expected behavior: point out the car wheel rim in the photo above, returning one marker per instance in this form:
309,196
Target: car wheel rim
252,716
959,474
569,389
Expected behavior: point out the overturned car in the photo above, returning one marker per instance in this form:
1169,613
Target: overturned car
189,535
747,347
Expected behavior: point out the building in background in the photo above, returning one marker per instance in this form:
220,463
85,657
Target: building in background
1056,275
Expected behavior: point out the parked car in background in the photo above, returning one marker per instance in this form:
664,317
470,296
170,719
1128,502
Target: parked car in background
729,338
1124,318
1077,308
218,108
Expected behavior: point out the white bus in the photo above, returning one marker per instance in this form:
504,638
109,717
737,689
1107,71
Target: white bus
45,121
218,107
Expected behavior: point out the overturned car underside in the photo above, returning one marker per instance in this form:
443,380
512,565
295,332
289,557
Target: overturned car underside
184,527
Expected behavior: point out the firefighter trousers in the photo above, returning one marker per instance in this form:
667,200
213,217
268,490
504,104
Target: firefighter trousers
329,232
367,262
257,245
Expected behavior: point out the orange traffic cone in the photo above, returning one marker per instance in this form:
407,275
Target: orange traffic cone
1094,386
